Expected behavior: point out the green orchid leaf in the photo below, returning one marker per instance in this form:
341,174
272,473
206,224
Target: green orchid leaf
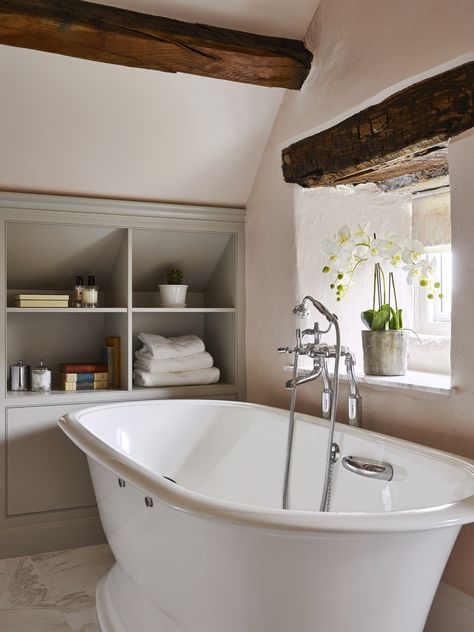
381,318
367,317
396,322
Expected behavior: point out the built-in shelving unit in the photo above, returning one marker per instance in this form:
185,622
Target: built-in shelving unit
128,263
46,241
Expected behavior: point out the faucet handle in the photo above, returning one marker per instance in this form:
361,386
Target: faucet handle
286,349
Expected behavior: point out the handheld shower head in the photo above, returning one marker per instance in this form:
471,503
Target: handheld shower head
302,311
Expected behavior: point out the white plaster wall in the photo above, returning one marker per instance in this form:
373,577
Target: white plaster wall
80,127
318,215
365,50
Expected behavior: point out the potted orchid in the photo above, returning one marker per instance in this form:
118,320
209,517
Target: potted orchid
385,342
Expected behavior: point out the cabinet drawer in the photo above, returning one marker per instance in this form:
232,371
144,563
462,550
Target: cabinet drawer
45,470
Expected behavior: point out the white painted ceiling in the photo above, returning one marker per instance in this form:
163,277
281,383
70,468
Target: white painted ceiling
72,126
283,18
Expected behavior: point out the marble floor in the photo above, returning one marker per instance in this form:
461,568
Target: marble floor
52,592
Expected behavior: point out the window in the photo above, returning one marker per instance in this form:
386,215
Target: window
433,316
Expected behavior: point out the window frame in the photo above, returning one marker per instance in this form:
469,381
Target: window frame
428,318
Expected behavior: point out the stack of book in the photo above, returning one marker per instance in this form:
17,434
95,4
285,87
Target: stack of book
41,300
83,376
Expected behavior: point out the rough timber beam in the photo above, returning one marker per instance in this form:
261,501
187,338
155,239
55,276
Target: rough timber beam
107,34
406,133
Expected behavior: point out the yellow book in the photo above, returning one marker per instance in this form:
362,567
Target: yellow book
114,341
40,303
84,386
41,297
84,377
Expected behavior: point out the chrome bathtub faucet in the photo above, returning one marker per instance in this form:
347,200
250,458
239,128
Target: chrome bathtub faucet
320,353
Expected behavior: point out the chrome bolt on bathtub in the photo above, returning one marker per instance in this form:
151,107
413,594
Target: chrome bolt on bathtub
148,501
335,453
121,482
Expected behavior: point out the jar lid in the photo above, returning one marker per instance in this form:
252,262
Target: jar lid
41,366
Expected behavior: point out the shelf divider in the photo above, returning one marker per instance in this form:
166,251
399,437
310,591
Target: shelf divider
66,310
183,310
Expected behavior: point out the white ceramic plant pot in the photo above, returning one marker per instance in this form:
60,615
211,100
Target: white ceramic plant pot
173,295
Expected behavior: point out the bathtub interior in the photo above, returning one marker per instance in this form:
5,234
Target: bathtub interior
236,453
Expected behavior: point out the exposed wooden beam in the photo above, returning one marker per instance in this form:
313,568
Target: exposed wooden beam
400,135
107,34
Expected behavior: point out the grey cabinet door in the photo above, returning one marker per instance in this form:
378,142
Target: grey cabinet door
45,470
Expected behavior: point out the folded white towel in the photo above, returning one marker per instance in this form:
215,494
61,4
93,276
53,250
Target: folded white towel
172,365
182,378
161,348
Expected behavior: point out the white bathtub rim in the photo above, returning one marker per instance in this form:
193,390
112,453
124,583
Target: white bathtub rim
180,498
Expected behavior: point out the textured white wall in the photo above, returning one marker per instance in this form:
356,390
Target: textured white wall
79,127
364,50
318,215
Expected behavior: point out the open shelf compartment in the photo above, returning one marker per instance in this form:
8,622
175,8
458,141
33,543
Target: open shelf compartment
208,262
217,330
59,339
45,258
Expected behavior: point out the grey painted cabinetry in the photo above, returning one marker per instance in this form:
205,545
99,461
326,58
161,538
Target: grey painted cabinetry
45,471
46,490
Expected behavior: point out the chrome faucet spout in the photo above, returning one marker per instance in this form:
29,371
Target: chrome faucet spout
308,376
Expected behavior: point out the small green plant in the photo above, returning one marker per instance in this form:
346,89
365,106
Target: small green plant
174,276
349,250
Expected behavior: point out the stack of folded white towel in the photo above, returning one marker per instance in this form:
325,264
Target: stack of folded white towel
173,362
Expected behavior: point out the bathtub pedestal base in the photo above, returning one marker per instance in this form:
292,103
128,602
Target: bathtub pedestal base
121,607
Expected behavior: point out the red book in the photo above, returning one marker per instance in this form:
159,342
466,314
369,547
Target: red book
82,367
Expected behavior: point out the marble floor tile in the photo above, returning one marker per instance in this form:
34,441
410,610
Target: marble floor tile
71,578
20,585
33,620
25,602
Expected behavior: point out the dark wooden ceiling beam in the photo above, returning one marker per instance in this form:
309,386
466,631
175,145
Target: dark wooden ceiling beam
403,134
107,34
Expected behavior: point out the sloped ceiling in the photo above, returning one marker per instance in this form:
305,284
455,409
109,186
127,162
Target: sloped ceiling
79,127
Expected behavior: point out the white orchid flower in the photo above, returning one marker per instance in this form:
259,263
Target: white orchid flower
413,250
392,246
330,248
413,273
343,234
343,262
361,232
375,251
428,267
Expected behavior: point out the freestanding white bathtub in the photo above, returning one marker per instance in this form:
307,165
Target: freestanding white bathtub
214,552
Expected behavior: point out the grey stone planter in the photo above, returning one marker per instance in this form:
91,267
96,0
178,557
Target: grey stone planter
385,352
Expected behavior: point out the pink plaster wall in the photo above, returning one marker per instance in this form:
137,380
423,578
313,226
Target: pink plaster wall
364,51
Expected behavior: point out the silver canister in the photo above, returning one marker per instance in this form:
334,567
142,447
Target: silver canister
19,376
41,378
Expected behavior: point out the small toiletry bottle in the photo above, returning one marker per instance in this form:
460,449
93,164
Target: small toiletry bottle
41,378
78,291
91,293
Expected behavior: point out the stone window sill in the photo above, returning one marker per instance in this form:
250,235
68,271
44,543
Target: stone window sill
417,381
422,381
